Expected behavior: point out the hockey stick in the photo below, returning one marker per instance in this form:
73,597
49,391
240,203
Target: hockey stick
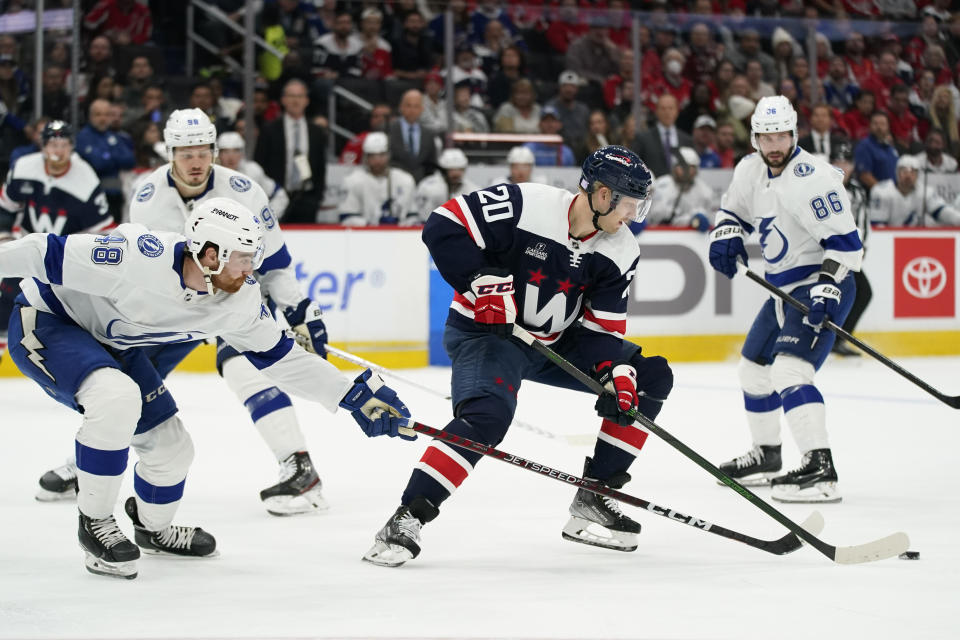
950,401
582,439
780,546
888,547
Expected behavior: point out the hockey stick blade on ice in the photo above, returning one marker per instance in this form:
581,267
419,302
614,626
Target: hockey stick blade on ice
357,360
950,401
787,544
888,547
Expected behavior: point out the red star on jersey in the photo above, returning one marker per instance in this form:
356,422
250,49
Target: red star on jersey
564,286
536,277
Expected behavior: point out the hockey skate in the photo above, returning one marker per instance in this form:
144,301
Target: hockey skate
399,540
597,520
298,490
59,483
107,552
172,540
814,481
756,467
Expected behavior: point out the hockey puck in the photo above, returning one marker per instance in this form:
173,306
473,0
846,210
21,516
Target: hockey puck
909,555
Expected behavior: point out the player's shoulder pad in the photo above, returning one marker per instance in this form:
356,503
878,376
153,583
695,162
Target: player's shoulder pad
621,248
28,167
233,184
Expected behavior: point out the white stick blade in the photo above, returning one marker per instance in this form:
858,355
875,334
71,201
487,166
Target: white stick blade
813,524
889,547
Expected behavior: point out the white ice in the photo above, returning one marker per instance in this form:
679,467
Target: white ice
493,564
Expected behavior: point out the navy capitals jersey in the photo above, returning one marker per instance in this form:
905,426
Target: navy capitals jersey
559,280
65,204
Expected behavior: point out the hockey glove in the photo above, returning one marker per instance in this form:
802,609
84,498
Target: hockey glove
376,407
620,380
495,309
824,302
306,320
726,245
700,222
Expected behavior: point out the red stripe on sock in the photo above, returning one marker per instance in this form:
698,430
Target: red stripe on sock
631,435
447,466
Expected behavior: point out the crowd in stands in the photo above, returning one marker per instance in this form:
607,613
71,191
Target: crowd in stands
885,81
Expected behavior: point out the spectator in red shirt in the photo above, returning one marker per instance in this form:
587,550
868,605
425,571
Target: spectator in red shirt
704,54
725,144
122,21
929,35
566,27
883,80
856,121
613,85
903,124
353,151
860,66
376,55
935,60
671,81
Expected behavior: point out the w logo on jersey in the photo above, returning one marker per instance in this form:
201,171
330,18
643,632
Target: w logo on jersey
553,316
42,222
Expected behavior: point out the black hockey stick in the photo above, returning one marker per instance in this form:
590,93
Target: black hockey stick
780,546
950,401
888,547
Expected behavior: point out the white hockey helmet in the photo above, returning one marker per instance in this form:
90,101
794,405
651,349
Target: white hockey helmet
234,229
376,142
230,140
690,156
773,115
452,159
189,128
521,155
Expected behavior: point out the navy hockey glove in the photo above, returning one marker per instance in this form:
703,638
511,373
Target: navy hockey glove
495,309
700,222
306,320
824,302
620,381
726,245
376,407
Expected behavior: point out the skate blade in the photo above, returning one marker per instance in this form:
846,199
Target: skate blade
819,493
43,495
100,567
387,555
585,532
183,556
309,502
755,480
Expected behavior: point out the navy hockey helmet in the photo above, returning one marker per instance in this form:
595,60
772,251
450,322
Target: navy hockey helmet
623,172
56,129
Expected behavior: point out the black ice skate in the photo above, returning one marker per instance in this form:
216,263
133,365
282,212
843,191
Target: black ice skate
814,481
59,483
107,552
756,467
597,520
173,540
298,490
399,539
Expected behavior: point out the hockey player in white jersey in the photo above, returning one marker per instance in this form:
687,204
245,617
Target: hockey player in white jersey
810,244
682,198
95,314
521,162
376,192
232,155
446,183
901,203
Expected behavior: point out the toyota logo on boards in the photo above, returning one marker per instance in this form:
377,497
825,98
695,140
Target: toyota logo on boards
924,277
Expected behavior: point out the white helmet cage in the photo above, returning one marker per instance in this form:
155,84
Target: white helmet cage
189,128
230,226
773,115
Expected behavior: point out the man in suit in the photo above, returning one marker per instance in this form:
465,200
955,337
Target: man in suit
292,151
655,145
412,147
822,138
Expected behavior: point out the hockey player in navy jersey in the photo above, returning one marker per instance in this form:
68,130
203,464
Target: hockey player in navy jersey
810,244
163,200
560,265
95,311
51,191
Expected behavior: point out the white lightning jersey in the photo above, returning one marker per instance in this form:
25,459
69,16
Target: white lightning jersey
433,191
802,217
278,198
672,207
890,207
371,198
127,290
158,205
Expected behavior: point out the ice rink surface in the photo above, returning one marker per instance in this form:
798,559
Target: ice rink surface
493,564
